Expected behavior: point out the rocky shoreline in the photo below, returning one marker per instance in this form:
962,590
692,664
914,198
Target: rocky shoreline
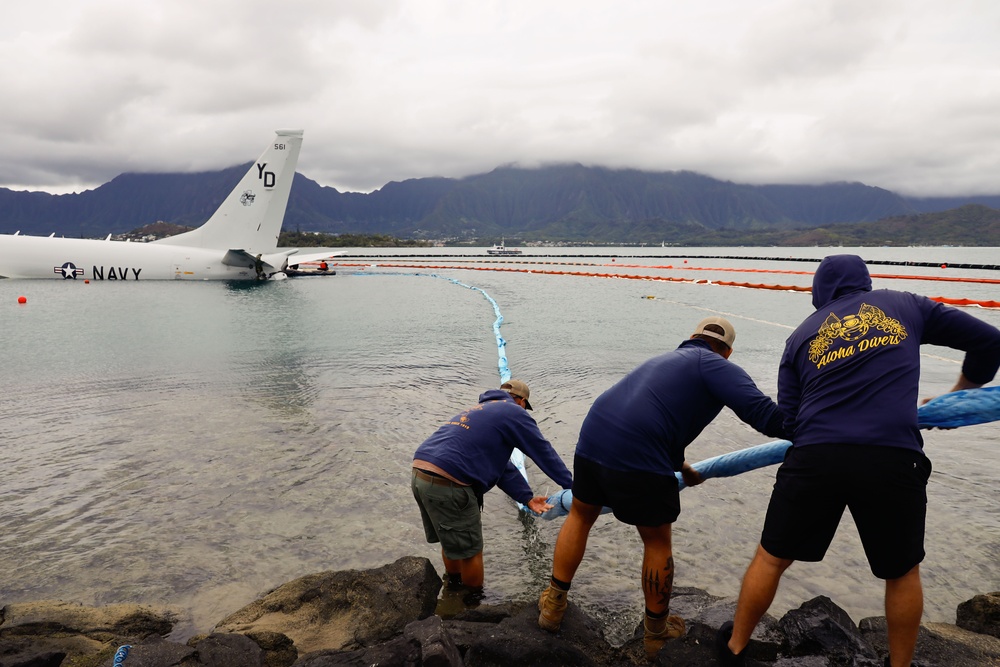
386,616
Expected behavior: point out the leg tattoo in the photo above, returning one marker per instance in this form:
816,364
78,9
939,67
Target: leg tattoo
660,583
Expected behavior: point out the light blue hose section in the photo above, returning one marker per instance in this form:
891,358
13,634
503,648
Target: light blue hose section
960,408
517,456
121,654
501,343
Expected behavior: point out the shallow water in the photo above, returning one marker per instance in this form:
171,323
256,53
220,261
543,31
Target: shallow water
197,444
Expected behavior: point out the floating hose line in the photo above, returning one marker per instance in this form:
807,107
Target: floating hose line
502,367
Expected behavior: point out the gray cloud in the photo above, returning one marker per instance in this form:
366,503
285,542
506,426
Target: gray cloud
896,93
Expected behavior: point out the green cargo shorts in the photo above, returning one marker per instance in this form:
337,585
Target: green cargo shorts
451,516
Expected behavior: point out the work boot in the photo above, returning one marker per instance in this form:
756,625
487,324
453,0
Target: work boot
726,657
473,597
451,582
656,632
551,606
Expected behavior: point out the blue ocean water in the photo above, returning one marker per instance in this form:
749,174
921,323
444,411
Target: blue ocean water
197,444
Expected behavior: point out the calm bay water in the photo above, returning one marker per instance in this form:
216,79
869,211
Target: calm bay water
196,444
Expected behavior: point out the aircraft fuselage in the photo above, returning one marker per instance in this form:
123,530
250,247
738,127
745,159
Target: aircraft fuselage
87,259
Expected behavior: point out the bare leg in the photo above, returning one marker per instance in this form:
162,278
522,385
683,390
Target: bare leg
451,566
760,583
904,605
657,567
470,568
572,541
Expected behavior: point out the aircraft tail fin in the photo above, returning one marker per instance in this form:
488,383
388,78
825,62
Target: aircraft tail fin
250,217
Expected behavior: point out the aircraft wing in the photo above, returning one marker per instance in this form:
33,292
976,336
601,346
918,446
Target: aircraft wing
274,262
238,258
296,257
270,263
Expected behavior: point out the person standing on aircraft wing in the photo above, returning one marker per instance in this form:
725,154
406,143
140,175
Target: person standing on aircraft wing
631,443
466,457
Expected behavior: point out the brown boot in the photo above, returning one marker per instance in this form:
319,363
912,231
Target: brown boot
658,630
552,605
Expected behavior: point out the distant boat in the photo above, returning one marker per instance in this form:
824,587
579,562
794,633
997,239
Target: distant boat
502,249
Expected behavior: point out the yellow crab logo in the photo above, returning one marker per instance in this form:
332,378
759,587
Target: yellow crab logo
853,328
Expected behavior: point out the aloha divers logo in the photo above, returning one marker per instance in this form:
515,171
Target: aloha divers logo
68,270
867,329
247,198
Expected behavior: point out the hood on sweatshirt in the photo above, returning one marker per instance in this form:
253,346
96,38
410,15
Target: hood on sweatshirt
838,275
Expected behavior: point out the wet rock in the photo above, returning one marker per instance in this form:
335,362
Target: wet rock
37,633
157,652
99,623
399,652
50,659
436,646
819,627
385,616
351,609
279,650
517,640
981,614
939,644
229,650
705,614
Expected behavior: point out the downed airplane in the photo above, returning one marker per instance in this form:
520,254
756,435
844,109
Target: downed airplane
239,241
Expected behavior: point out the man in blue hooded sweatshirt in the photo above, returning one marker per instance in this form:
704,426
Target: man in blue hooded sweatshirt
847,388
466,457
631,445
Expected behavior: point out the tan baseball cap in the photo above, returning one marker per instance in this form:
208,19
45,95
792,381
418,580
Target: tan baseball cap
519,389
729,333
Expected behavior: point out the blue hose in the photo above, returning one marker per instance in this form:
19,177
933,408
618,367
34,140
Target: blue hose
961,408
121,654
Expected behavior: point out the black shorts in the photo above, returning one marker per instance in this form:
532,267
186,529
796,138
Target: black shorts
635,498
884,487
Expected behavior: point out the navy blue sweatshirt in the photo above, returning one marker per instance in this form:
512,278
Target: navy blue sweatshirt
475,447
850,372
644,422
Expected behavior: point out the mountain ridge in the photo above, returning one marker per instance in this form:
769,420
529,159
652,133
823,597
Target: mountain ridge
567,203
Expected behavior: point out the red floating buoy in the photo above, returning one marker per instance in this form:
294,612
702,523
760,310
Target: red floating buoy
944,266
22,299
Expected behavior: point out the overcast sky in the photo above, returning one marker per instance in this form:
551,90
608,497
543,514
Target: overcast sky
901,94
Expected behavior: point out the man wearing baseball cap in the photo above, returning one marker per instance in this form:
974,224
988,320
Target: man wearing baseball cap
632,443
466,457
